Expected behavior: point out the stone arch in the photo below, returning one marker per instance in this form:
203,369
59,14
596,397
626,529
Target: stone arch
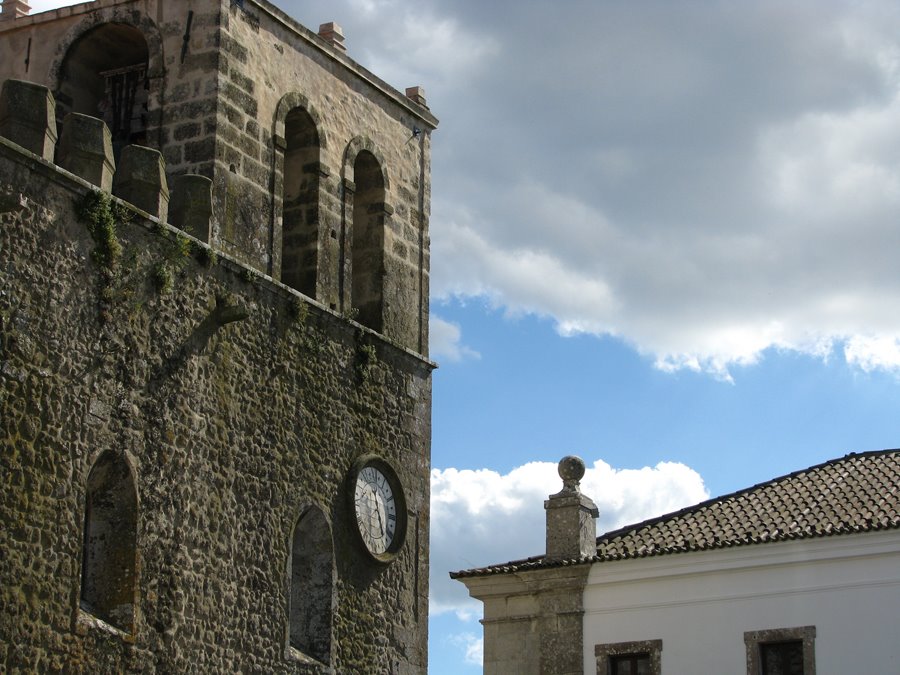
109,547
354,147
310,569
297,194
366,185
110,65
287,103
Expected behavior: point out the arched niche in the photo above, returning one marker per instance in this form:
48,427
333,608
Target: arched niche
311,586
367,246
300,202
109,552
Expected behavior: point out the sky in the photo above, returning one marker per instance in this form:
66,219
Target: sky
664,238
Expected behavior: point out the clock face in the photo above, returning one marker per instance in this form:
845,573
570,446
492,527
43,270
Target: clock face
378,506
376,510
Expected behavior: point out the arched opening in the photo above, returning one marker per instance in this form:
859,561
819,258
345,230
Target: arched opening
108,558
300,203
311,582
368,241
104,74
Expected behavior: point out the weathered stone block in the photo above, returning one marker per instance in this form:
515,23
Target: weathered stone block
85,149
141,180
191,205
28,117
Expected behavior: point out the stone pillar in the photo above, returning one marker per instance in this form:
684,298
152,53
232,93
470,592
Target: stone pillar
417,95
571,524
13,9
85,149
191,206
333,34
141,180
28,116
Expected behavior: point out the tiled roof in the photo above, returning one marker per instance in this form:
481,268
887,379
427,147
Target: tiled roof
856,493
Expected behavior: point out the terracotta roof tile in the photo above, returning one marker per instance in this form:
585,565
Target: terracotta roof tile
856,493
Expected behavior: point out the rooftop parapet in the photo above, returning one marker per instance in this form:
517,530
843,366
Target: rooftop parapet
28,116
28,119
85,148
191,206
13,9
142,180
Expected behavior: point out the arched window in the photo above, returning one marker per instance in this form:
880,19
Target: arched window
104,75
300,209
110,542
311,582
368,241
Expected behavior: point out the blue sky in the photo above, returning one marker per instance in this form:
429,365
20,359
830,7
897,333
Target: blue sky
664,237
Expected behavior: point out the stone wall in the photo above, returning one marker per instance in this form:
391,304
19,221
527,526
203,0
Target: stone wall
236,402
221,78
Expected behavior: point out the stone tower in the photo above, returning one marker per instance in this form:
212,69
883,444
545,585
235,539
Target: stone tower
214,386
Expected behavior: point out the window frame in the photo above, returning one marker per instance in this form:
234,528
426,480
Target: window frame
652,648
755,639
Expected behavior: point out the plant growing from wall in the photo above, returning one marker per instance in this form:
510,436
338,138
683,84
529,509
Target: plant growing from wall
101,214
366,359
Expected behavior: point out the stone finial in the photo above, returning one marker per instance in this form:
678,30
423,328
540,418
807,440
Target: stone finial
416,95
333,34
13,9
85,149
571,516
28,117
141,180
191,206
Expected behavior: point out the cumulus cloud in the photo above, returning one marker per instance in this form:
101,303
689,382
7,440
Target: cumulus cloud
704,181
472,647
445,341
482,517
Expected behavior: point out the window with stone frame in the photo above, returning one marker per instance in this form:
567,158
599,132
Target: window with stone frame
781,651
109,552
629,658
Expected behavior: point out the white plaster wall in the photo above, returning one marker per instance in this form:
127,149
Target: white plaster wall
700,604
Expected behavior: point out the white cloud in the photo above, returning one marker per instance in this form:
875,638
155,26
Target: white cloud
481,517
872,352
472,646
445,341
45,5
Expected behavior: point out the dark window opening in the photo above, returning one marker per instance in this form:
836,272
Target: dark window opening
311,581
781,651
781,658
368,241
110,542
104,75
629,664
300,203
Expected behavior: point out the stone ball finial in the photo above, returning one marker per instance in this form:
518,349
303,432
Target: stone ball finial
571,470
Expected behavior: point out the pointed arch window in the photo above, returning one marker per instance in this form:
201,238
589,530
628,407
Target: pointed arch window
311,579
300,203
109,552
367,294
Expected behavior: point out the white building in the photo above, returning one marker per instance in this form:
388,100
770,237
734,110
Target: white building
800,574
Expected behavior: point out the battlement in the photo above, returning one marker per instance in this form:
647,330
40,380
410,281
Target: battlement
318,170
84,148
213,330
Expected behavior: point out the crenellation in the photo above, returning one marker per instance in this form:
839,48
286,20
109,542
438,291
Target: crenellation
226,381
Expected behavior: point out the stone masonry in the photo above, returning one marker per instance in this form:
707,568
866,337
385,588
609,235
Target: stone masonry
169,409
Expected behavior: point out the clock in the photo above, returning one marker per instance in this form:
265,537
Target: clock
379,507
